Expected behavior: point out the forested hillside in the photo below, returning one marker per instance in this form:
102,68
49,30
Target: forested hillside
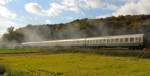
82,28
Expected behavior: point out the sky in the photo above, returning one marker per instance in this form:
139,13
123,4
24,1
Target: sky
19,13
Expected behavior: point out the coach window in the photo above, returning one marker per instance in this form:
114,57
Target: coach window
93,41
131,39
97,41
121,40
88,41
109,41
126,39
137,39
104,41
113,40
101,41
141,39
116,40
81,42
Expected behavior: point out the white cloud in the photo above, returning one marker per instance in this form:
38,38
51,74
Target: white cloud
55,9
4,12
103,16
4,2
5,23
71,5
94,3
58,8
34,8
6,17
134,7
48,22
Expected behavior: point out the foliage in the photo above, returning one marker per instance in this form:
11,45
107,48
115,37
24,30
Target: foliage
12,36
82,28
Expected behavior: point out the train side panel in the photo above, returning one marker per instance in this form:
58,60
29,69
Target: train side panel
125,41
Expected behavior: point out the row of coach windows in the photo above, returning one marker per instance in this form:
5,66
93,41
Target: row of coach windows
119,40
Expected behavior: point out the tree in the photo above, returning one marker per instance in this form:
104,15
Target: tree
12,35
10,29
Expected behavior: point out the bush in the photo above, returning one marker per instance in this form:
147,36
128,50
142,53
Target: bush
2,70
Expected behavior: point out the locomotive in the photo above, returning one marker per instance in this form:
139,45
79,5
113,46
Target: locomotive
131,41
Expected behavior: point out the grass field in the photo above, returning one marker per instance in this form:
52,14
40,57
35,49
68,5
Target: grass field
19,50
75,64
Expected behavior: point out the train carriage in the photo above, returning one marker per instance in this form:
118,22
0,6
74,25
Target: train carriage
125,41
128,41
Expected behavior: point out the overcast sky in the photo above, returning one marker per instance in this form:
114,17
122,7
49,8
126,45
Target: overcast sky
19,13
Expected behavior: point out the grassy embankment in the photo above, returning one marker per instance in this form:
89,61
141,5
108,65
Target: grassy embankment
75,64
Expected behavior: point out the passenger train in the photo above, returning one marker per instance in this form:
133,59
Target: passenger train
132,41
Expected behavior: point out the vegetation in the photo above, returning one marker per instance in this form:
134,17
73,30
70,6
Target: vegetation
75,65
12,36
82,28
19,50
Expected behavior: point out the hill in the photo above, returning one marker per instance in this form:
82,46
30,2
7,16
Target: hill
84,28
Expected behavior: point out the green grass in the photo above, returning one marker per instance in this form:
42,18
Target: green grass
19,50
76,64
